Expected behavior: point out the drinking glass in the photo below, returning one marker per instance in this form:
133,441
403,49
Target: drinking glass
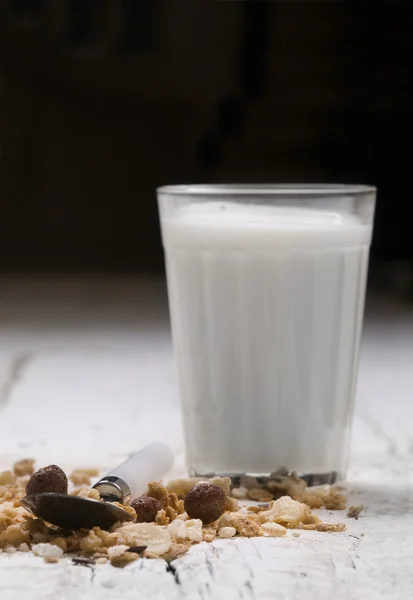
266,287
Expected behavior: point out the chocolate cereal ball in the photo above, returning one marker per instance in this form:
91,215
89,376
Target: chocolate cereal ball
48,479
146,508
205,501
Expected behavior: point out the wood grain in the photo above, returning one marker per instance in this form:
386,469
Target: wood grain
101,363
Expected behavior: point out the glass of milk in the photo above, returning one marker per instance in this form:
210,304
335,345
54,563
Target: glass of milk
266,288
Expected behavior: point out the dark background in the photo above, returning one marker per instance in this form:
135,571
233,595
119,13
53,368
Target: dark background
103,100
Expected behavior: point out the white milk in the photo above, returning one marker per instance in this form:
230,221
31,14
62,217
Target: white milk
266,307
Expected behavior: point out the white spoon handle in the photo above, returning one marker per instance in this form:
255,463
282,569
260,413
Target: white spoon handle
149,464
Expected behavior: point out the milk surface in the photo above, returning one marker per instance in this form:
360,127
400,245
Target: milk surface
266,308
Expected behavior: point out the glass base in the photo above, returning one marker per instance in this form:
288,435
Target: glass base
238,479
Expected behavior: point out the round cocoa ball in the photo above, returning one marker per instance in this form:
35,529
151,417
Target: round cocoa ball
205,501
48,479
146,508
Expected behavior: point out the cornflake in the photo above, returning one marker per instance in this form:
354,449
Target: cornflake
289,513
157,539
243,524
190,530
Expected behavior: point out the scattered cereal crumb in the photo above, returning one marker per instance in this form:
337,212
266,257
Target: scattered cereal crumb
157,539
231,504
93,541
180,487
288,512
227,532
174,531
51,559
335,500
91,493
186,530
354,511
248,482
308,526
157,490
331,527
258,509
273,529
49,551
24,466
60,542
285,484
209,533
175,551
326,496
171,513
116,551
243,524
176,503
259,495
240,493
91,471
126,507
223,482
7,477
23,547
80,477
296,534
16,533
183,517
161,518
124,559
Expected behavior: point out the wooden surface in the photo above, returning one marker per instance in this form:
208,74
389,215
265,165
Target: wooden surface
86,376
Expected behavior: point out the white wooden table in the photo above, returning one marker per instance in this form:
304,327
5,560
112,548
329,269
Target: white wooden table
86,376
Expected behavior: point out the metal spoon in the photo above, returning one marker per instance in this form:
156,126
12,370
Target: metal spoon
125,482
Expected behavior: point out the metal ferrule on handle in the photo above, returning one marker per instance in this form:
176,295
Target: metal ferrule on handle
130,479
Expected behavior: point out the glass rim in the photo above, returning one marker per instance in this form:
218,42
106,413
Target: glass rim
266,189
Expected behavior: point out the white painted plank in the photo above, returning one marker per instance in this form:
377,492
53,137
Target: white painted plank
98,357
